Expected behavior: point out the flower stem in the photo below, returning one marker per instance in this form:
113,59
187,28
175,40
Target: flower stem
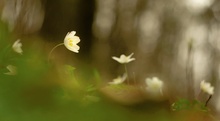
189,70
53,50
206,103
126,71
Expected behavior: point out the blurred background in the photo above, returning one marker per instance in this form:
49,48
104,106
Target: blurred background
175,40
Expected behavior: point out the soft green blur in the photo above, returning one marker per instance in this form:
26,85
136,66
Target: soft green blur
39,93
74,87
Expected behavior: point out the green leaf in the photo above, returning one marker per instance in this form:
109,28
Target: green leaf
181,104
97,76
91,88
69,68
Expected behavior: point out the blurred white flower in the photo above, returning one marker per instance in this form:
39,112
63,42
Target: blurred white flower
206,87
119,79
17,46
12,70
70,42
124,59
154,85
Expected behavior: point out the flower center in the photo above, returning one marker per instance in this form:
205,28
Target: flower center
70,43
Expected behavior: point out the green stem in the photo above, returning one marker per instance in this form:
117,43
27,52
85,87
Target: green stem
53,50
189,70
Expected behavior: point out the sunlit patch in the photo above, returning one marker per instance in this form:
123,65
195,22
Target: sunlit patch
198,6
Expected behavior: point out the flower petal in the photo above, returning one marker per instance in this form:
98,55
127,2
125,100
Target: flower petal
117,59
12,70
76,39
124,59
206,87
130,55
17,46
70,42
119,79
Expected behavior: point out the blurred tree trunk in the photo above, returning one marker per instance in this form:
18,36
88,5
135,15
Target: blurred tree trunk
174,40
22,16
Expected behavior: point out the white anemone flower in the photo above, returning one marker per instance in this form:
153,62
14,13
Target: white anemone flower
154,85
17,46
206,87
71,41
119,79
124,59
12,70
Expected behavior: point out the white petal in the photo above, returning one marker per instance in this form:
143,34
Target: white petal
74,48
130,55
117,59
70,42
71,34
206,87
76,39
154,85
119,80
17,47
12,70
124,59
129,60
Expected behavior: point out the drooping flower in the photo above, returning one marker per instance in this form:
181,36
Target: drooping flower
154,85
206,87
119,79
71,41
124,59
17,46
12,70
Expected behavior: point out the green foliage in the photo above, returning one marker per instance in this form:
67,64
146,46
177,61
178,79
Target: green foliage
97,76
41,91
184,104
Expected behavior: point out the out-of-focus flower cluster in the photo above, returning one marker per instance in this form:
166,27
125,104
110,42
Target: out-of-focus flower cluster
16,47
